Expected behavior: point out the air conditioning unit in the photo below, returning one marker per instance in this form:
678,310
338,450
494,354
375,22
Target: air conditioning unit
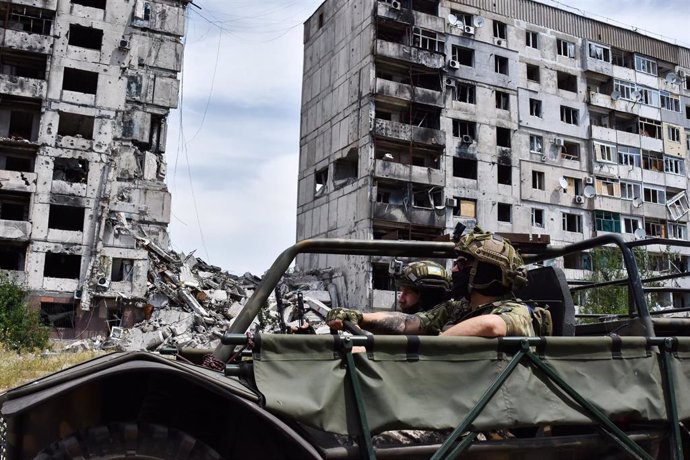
589,180
579,199
453,64
395,5
544,158
102,281
450,82
681,72
559,142
469,30
451,202
123,44
467,139
500,42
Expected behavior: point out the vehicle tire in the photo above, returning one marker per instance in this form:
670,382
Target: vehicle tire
144,441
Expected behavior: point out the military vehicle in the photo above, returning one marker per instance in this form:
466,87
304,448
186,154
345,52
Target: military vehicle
613,388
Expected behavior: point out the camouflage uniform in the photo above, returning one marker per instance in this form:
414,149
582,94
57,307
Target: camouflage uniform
515,314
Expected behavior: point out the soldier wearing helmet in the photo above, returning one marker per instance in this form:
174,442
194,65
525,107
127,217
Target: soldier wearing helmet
423,284
486,271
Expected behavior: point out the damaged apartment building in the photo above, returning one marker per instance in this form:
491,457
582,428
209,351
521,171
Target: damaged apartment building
86,87
541,124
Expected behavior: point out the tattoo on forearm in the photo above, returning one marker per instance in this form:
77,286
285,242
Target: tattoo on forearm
392,323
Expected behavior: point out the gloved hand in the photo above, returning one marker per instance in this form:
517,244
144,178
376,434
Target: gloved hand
336,316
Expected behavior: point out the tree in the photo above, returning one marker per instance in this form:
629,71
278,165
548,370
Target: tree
607,264
20,327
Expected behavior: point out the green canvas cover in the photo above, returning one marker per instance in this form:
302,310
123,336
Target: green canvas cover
302,378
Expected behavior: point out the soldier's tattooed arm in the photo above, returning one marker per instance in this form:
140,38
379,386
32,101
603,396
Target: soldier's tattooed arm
391,323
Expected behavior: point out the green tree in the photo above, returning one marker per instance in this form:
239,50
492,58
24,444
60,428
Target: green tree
607,264
20,327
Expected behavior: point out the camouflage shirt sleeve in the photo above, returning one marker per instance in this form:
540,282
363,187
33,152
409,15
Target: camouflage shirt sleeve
433,321
516,316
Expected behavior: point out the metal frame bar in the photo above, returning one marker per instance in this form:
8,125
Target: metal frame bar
609,428
351,370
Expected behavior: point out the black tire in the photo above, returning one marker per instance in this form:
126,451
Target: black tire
144,441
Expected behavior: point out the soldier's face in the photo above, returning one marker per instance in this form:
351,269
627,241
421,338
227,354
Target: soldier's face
408,299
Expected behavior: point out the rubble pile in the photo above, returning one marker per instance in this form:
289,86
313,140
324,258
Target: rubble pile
191,304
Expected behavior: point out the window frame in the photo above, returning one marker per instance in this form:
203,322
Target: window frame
532,39
570,115
646,65
577,222
538,180
592,49
565,48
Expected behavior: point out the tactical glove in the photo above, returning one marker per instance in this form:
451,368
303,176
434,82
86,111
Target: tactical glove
344,314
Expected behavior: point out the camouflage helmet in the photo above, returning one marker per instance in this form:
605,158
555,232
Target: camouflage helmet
495,250
424,274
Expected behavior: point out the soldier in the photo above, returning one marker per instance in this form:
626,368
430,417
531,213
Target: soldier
486,271
423,284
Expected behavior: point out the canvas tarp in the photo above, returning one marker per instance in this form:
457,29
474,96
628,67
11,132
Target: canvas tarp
304,379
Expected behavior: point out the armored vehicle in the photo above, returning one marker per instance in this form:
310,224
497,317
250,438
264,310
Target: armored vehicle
616,387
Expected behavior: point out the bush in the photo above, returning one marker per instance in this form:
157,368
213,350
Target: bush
20,327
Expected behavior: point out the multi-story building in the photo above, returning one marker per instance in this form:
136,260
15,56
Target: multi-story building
86,86
532,121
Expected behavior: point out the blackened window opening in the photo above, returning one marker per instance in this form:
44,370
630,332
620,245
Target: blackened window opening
72,124
14,206
100,4
85,37
66,218
59,265
71,170
81,81
58,314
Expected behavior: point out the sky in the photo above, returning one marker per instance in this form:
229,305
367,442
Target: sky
233,143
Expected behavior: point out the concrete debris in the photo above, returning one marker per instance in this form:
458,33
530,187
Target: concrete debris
191,304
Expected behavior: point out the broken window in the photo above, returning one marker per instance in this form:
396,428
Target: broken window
537,217
462,128
673,133
71,170
465,168
465,92
532,72
645,65
122,269
570,115
12,256
535,107
535,143
605,152
629,156
565,48
504,212
462,55
391,231
66,218
567,81
654,228
22,64
678,205
157,134
80,81
27,19
599,52
14,206
650,128
427,197
505,174
622,58
61,265
630,224
74,124
85,37
503,137
346,169
391,32
17,160
538,180
100,4
501,65
500,30
502,100
320,181
571,222
427,39
678,231
55,314
21,124
465,207
570,150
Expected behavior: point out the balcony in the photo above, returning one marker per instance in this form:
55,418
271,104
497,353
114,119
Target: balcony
398,171
396,90
20,40
605,101
16,230
409,215
410,54
18,181
23,86
404,132
426,21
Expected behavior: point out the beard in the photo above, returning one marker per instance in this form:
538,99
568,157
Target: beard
461,284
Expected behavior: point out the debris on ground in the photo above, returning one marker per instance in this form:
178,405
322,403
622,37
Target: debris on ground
191,304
